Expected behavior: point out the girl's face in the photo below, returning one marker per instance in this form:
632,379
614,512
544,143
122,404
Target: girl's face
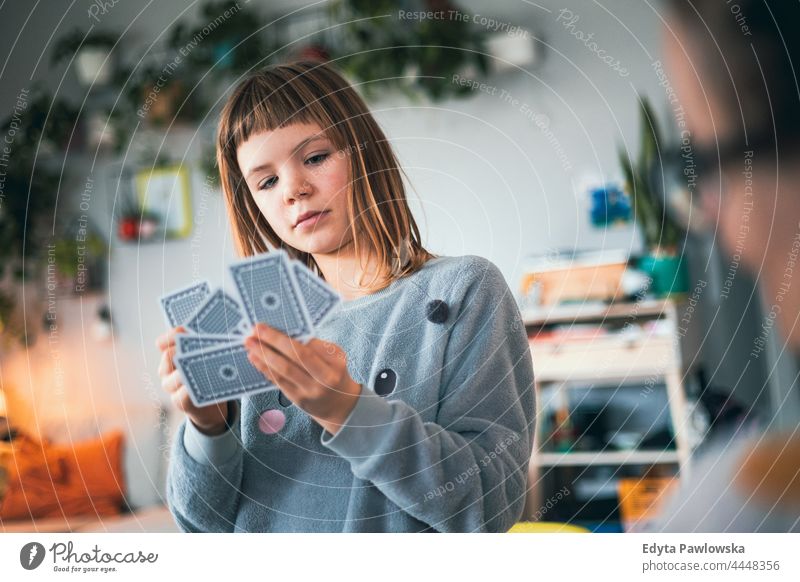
293,172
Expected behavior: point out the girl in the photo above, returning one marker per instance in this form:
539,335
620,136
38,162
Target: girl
413,410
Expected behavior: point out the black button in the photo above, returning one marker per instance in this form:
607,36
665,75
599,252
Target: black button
385,382
437,311
283,401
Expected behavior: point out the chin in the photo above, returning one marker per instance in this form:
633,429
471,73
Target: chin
316,245
324,241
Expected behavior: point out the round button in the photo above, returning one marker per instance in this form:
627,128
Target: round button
437,311
271,421
385,382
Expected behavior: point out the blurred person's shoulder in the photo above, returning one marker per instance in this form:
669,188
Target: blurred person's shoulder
748,483
771,469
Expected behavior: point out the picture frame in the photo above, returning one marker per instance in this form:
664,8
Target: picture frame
165,192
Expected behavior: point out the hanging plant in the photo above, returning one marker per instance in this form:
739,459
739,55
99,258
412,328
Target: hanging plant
228,38
92,55
413,55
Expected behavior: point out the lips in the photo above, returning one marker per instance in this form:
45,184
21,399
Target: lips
306,215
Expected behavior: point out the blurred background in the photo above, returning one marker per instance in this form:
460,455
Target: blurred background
523,129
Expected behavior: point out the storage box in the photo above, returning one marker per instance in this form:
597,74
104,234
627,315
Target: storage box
577,281
640,500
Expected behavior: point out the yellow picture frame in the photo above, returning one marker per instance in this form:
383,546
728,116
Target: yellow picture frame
166,192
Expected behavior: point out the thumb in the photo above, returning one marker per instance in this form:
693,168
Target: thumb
325,348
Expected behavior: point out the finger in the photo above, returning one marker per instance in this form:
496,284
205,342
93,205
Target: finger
265,355
289,347
162,365
172,382
168,338
258,361
182,400
294,351
324,350
324,357
269,361
167,366
279,375
164,340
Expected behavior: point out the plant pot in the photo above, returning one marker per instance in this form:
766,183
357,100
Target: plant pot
668,272
93,66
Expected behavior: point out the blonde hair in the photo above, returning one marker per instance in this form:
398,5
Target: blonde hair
380,220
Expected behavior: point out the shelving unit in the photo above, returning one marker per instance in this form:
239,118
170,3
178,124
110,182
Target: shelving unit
615,347
606,458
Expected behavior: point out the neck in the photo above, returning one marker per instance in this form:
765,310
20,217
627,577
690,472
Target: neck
342,270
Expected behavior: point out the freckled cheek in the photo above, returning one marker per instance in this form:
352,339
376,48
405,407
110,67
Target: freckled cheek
274,214
335,182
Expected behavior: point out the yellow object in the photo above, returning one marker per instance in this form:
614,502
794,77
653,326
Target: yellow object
166,192
546,527
641,498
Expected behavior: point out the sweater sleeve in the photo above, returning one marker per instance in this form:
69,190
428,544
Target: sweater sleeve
466,472
204,477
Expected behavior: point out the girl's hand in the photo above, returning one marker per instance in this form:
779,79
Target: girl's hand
314,375
208,419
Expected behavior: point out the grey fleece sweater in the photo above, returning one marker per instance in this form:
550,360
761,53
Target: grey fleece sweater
439,440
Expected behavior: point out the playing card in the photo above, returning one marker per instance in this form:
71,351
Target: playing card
219,314
269,294
319,297
220,373
187,343
178,306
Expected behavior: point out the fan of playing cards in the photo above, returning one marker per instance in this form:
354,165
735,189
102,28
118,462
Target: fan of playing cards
272,288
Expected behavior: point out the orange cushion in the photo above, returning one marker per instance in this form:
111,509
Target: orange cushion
48,480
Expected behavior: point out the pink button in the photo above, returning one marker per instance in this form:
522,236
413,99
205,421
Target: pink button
271,421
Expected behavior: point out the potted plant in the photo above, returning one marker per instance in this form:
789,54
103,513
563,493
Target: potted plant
31,182
38,135
135,223
414,56
13,331
662,261
94,64
78,262
236,43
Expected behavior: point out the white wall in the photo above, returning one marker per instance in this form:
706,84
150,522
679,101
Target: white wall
490,180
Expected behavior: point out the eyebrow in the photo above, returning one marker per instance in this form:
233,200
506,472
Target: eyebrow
299,146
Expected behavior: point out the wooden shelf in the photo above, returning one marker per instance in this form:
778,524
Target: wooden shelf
606,458
646,352
593,311
602,359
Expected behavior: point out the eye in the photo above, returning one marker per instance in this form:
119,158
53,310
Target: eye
317,159
267,184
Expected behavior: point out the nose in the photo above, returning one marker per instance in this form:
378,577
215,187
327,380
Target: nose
298,187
